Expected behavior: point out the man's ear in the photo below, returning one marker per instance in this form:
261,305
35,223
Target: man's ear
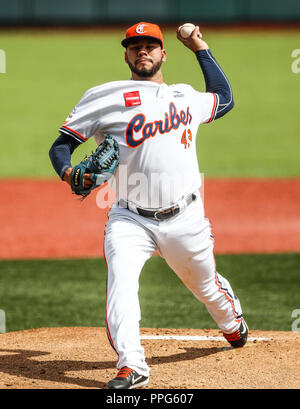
164,55
125,57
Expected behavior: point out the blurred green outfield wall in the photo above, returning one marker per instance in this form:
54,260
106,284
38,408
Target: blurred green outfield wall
68,12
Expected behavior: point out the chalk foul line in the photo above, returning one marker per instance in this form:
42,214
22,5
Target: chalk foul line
196,338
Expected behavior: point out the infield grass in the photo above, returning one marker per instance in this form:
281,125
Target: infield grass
56,293
47,72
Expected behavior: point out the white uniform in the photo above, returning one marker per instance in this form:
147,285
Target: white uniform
156,127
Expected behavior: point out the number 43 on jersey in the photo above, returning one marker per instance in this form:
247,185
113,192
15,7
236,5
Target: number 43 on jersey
186,138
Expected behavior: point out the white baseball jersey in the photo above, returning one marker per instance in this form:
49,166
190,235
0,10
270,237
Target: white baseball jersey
156,127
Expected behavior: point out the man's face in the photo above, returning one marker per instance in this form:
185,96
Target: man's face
145,57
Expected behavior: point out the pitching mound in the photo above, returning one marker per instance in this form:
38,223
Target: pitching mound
65,358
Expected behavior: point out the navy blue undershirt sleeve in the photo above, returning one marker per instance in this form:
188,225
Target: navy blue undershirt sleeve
216,82
61,151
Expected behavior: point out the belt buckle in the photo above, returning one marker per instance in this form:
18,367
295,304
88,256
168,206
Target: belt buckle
173,210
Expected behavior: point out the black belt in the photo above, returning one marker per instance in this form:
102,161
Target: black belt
159,214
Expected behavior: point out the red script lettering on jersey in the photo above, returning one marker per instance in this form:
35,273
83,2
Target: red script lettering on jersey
138,123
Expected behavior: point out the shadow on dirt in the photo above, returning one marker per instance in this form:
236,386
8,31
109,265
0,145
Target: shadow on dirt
22,363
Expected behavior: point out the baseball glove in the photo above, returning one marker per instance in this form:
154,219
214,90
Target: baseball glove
101,165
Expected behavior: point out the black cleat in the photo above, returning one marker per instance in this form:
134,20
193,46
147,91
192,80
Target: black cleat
127,378
238,338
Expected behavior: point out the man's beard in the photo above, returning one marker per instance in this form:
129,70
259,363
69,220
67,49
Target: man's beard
144,72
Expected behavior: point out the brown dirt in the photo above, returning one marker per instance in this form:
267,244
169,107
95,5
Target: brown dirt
65,358
42,219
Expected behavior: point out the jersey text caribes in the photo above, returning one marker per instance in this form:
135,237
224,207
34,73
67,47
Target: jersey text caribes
172,120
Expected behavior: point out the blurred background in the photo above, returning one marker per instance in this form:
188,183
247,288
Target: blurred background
51,51
56,50
106,12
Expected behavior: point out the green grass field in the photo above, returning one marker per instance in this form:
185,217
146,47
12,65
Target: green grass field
54,293
48,72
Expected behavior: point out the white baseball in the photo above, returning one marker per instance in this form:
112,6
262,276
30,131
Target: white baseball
186,30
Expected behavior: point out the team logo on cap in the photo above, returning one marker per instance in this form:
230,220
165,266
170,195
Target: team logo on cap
140,28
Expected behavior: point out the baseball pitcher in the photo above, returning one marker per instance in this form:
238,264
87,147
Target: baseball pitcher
146,135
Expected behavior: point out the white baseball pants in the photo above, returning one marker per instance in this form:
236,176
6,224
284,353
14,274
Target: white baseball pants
186,243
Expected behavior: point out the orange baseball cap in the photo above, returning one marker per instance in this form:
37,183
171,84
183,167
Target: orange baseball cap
143,30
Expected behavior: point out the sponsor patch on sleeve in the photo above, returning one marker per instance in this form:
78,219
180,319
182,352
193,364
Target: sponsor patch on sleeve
132,98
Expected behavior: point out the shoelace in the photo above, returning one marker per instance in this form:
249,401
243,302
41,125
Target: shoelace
124,372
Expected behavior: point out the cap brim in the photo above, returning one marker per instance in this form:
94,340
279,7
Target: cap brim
128,40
